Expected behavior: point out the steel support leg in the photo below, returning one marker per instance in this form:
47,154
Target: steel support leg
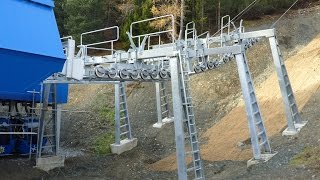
117,112
294,120
178,119
158,98
58,126
122,122
248,106
259,139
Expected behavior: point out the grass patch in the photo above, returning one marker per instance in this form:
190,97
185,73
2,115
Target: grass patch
102,144
106,115
309,157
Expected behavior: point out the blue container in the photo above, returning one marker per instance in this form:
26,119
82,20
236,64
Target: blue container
7,142
30,48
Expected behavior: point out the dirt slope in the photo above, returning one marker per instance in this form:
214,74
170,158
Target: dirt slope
224,137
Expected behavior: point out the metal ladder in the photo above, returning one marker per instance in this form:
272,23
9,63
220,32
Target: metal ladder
122,124
295,122
164,100
189,121
49,126
163,111
259,139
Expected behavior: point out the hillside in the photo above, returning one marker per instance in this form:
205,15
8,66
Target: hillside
223,138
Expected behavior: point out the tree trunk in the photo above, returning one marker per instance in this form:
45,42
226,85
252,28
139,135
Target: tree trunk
219,15
202,15
182,19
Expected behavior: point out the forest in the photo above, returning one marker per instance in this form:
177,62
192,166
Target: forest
77,16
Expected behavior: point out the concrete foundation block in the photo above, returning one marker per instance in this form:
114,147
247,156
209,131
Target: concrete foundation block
264,158
298,127
164,121
125,145
49,163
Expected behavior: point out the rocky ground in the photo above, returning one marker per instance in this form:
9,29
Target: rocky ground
215,93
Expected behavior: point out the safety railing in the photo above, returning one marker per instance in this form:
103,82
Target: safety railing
190,30
85,47
223,26
149,40
171,31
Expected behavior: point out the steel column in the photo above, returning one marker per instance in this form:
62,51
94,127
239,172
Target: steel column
178,118
279,65
117,112
240,59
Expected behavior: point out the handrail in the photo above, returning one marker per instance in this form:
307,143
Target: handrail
192,30
100,30
159,40
224,26
205,33
227,25
172,30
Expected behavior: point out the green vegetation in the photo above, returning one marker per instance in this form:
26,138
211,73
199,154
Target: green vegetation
102,144
107,115
77,16
309,157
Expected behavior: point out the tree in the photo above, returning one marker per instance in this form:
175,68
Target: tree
88,15
61,16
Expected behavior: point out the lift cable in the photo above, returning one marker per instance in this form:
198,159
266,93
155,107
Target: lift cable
272,26
245,10
249,7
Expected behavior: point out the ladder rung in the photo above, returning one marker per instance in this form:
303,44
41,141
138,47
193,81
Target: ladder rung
256,113
164,104
190,169
260,133
48,146
259,122
165,111
121,134
49,135
123,118
124,126
291,105
264,142
194,142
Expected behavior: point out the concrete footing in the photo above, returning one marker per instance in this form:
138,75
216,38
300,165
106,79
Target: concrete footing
264,158
125,145
49,163
298,127
164,121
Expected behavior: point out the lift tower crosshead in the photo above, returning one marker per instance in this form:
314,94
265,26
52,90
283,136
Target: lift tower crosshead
176,61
